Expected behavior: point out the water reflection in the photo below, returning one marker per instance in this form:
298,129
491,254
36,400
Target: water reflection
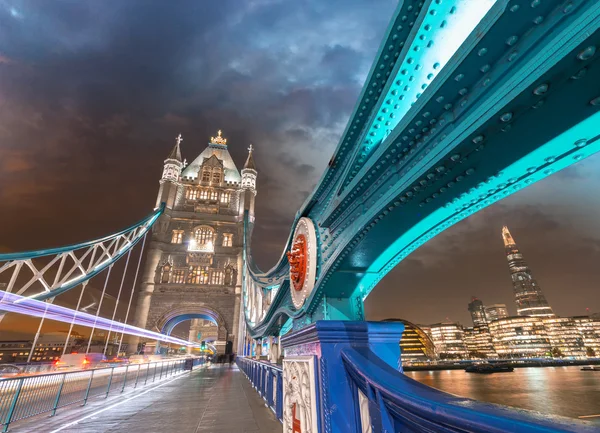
565,391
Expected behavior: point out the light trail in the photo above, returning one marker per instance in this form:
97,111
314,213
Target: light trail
13,303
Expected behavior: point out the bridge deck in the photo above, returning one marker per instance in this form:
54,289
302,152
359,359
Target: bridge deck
214,400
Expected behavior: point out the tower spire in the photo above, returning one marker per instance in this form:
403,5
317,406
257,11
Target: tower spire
528,294
250,160
176,152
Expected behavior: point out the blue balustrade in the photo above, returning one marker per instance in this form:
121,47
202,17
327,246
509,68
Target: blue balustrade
267,379
389,401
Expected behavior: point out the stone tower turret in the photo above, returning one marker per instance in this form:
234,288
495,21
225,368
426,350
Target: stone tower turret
170,177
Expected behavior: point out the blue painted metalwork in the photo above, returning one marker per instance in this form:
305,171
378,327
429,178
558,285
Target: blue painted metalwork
98,254
172,323
517,101
399,403
267,379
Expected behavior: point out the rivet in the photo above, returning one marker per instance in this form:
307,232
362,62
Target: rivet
587,54
482,52
484,68
506,117
541,89
512,40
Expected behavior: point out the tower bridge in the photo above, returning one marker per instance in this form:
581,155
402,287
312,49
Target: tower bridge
467,102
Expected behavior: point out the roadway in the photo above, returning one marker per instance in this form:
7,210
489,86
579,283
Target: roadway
218,399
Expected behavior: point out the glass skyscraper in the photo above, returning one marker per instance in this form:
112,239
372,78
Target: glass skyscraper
528,295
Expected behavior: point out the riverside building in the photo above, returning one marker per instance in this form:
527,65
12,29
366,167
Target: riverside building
448,339
520,337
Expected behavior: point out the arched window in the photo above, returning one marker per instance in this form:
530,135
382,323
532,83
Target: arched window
203,235
204,194
227,239
191,194
225,197
214,195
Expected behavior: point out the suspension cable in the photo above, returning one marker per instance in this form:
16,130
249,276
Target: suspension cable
117,302
132,290
98,311
37,334
83,286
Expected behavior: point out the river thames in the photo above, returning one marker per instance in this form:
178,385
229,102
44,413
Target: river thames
565,391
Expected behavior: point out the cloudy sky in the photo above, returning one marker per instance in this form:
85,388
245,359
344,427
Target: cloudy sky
93,93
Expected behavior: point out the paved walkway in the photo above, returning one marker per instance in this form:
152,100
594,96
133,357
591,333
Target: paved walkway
214,400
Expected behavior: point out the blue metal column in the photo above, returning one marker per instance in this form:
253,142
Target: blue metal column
337,398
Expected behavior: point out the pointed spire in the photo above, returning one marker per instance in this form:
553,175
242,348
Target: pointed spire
250,161
176,152
507,237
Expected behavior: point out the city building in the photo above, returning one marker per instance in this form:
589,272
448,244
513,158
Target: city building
478,341
528,295
415,345
589,328
14,351
194,263
565,338
520,337
477,311
448,339
495,312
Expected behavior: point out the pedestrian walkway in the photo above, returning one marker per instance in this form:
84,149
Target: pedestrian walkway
215,400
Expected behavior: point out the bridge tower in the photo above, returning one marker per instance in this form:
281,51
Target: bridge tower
193,268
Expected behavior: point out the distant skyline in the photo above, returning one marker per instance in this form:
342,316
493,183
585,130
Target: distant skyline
93,94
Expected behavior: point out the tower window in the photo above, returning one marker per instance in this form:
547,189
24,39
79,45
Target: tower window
214,195
216,175
217,277
225,197
191,194
177,237
206,175
178,276
227,239
203,235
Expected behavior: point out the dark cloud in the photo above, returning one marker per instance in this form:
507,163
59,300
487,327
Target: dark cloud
92,94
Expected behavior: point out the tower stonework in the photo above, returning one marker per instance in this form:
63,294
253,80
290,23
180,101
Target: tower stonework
193,268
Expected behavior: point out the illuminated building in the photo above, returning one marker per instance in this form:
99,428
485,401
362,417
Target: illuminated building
14,351
478,341
193,267
565,338
448,340
477,312
520,337
415,344
589,329
495,312
528,295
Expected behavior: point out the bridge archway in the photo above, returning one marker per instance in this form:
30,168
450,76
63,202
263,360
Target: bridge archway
168,321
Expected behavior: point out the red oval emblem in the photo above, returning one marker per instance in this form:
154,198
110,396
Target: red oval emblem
298,257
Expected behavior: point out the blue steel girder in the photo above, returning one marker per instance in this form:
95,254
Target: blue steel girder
516,102
71,265
520,105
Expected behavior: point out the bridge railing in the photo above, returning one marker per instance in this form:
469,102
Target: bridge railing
386,400
267,379
24,397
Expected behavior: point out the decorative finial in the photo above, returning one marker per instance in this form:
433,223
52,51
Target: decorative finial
184,163
179,139
218,139
251,148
